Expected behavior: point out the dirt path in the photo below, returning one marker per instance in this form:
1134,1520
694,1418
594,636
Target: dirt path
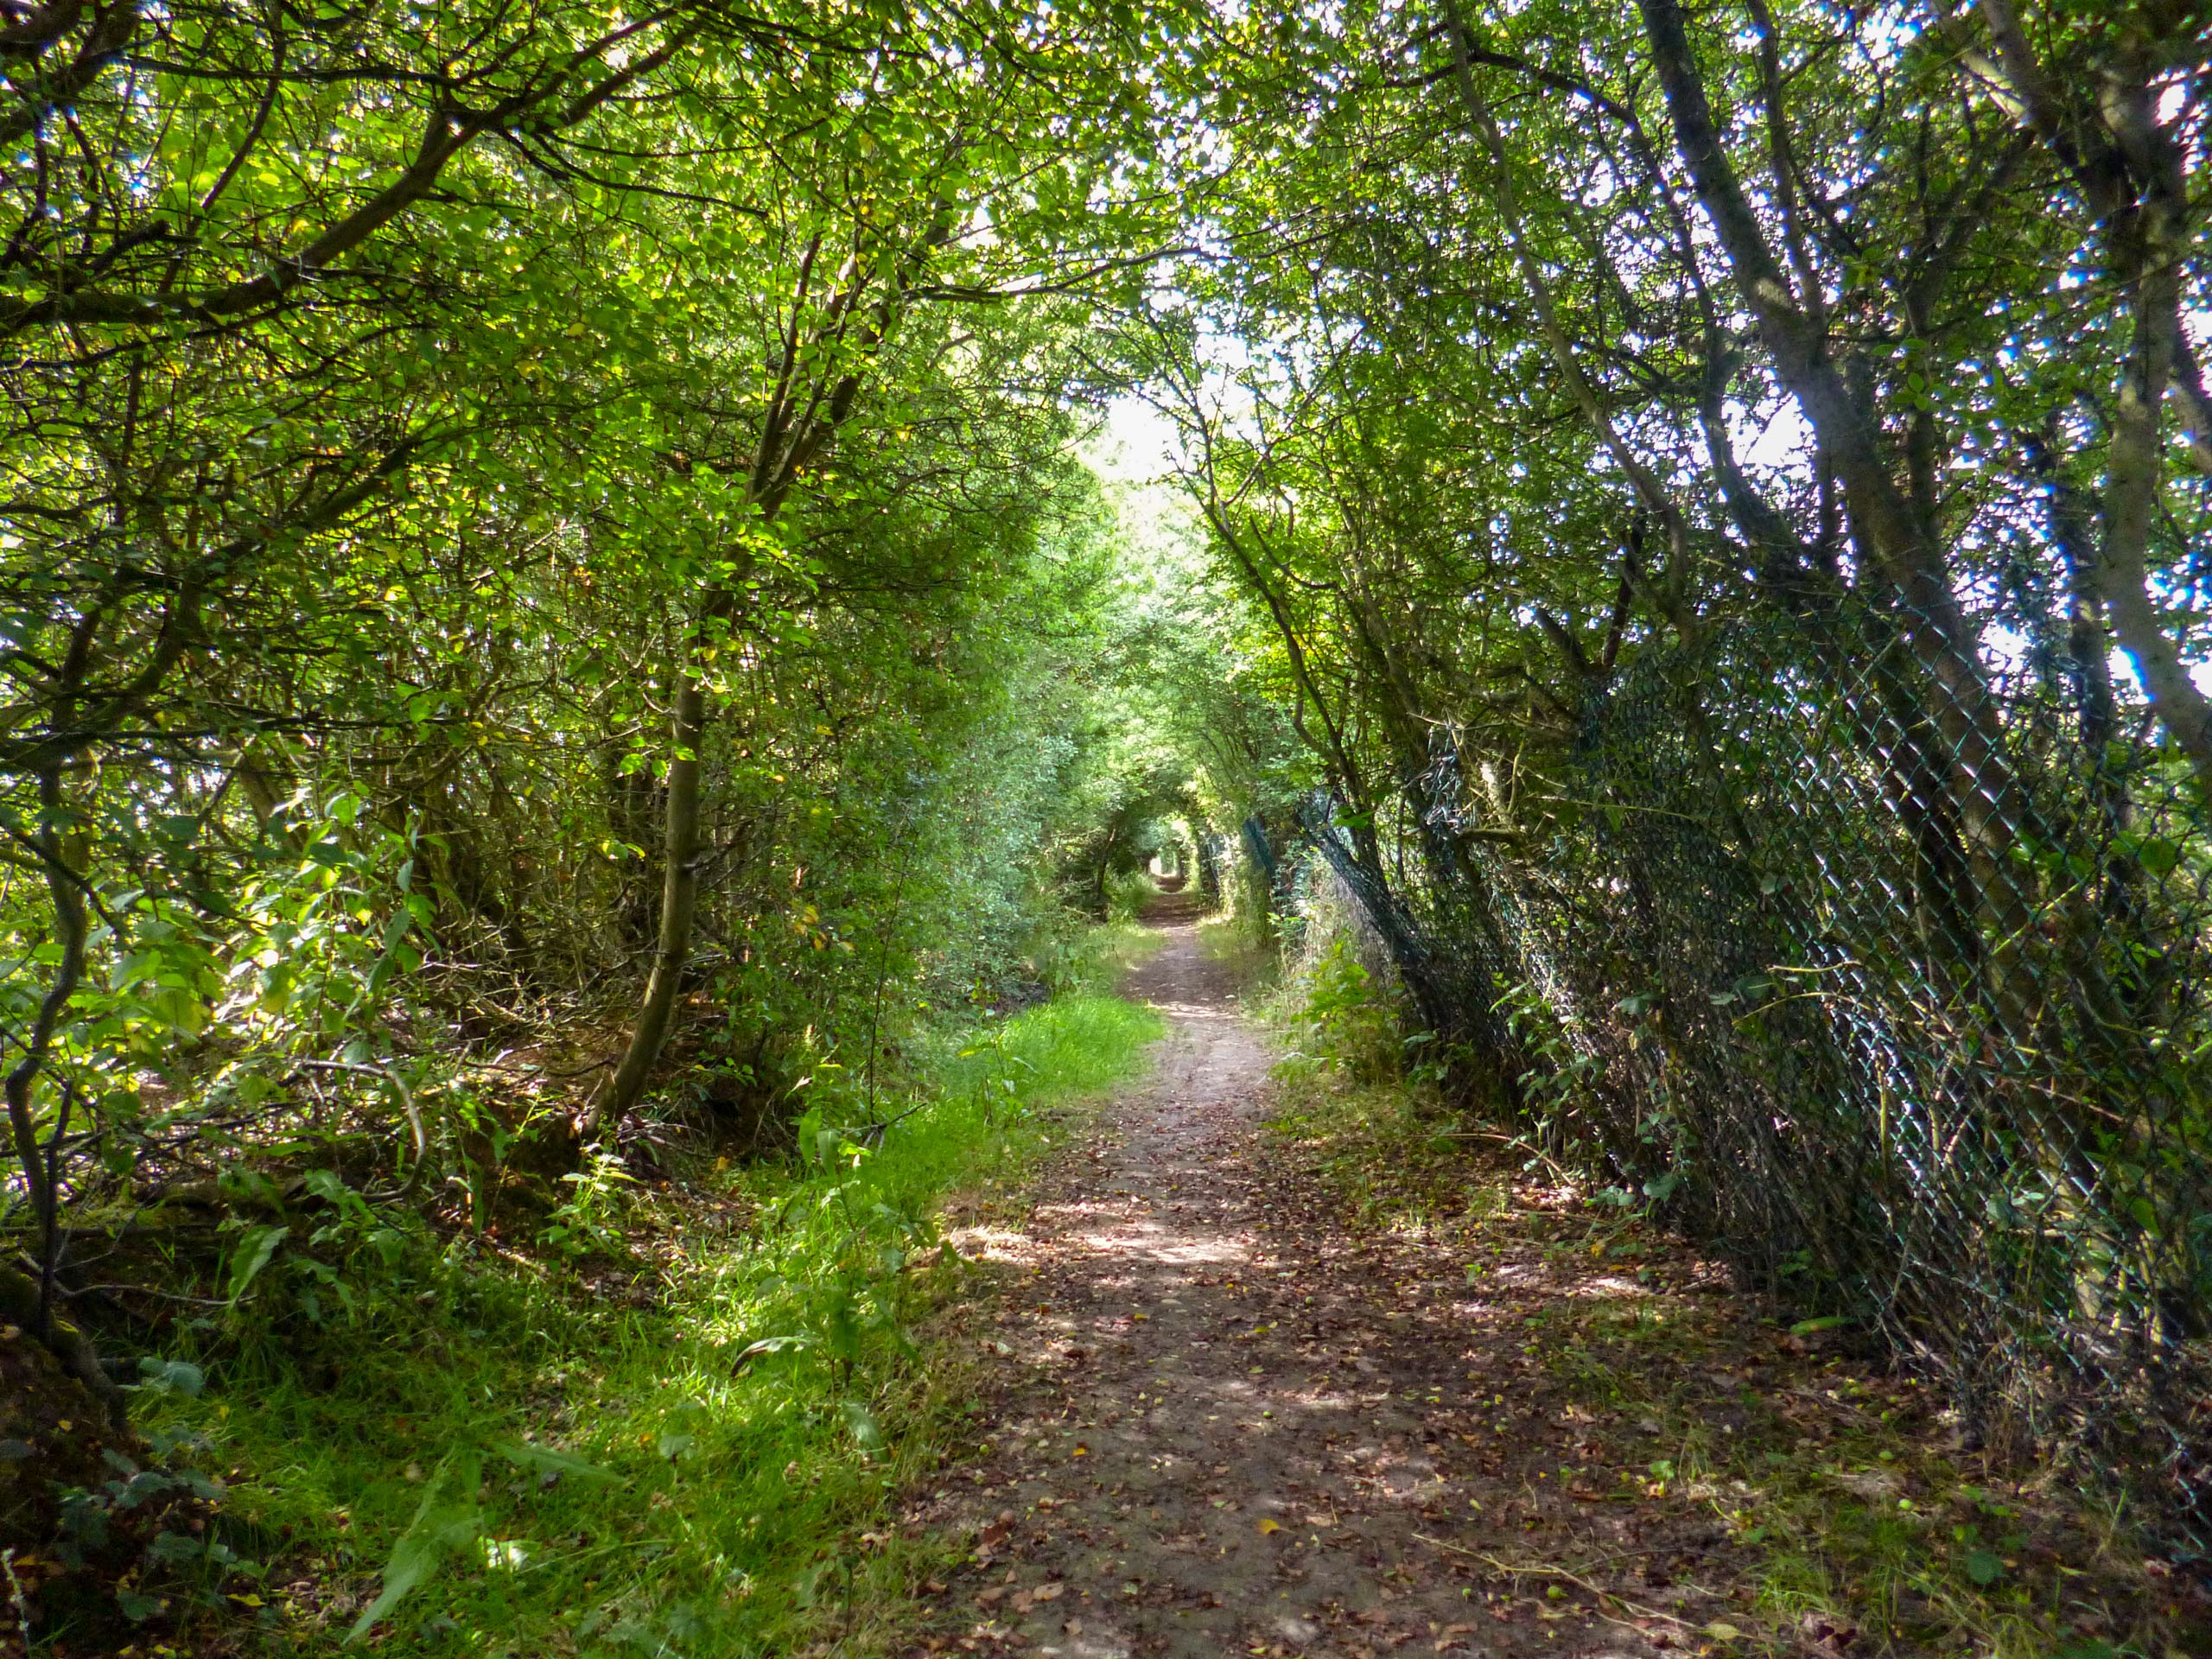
1231,1415
1225,1437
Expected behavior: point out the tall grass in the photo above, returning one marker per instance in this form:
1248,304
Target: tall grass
681,1441
1126,894
1111,951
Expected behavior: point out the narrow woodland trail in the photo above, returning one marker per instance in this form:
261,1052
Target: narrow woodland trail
1229,1425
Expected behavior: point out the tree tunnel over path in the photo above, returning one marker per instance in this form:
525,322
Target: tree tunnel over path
579,664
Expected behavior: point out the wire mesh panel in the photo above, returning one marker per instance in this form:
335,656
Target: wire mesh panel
1882,965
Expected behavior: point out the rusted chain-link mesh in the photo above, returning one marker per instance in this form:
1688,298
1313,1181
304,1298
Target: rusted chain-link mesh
1883,968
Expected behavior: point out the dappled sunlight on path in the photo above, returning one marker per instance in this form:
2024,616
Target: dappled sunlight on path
1213,1439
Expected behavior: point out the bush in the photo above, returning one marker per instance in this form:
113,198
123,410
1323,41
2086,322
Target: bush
1339,997
1126,894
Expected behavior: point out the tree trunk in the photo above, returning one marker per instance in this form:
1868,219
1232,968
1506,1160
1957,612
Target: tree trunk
1896,542
679,901
66,893
2134,470
2133,176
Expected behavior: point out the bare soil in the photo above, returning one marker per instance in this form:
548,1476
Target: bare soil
1226,1417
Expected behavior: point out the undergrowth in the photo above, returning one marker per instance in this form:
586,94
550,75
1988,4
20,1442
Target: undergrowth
665,1424
1112,949
1240,940
1127,893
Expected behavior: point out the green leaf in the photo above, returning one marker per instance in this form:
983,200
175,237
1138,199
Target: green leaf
770,1345
171,1377
441,1526
862,1422
545,1461
257,1248
136,1607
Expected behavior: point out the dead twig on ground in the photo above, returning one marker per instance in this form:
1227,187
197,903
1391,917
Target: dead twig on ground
1546,1570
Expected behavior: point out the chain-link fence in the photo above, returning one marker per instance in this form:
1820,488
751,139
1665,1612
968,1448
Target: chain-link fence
1882,966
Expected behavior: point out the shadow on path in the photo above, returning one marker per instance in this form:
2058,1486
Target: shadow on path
1210,1443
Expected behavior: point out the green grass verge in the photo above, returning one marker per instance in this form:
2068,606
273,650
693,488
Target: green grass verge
679,1442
